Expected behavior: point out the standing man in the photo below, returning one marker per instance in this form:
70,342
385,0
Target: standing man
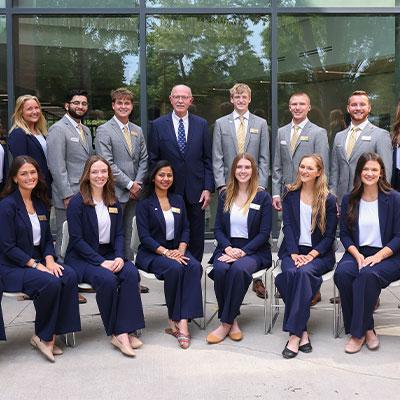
122,144
361,136
298,138
241,132
69,145
183,139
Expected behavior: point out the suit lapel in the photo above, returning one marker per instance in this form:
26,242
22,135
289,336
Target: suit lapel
36,143
286,133
248,133
232,127
120,134
93,220
296,210
23,214
76,134
157,210
382,213
170,132
42,216
252,214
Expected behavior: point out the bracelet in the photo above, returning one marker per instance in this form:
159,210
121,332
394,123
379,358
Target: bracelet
309,254
164,253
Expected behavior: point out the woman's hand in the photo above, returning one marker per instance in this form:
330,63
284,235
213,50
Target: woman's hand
301,259
118,264
177,256
372,260
108,264
234,252
43,268
226,259
53,267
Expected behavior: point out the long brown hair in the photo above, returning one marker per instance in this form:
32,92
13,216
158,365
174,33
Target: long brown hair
232,188
358,188
85,188
321,191
39,191
396,127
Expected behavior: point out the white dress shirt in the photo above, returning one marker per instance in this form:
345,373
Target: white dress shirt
103,221
36,234
175,121
169,224
305,224
238,221
368,224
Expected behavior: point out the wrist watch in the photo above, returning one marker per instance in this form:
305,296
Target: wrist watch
35,265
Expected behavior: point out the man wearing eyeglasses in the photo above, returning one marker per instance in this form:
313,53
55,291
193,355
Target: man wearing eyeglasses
183,139
69,145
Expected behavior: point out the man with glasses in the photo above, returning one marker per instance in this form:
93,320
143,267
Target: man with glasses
183,139
241,132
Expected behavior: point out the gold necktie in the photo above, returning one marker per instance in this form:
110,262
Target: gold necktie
240,135
128,139
295,137
82,134
351,142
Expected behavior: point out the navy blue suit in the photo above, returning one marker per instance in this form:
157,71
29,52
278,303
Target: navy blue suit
22,144
395,172
55,299
117,295
299,285
360,289
192,170
182,283
231,280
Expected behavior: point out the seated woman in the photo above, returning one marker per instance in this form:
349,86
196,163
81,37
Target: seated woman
27,257
309,227
164,234
370,234
242,229
96,251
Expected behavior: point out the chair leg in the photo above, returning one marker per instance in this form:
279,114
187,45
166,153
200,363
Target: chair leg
69,343
205,300
265,300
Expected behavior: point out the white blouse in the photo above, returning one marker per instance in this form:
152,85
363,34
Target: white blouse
35,229
42,142
169,224
305,224
368,224
103,221
238,221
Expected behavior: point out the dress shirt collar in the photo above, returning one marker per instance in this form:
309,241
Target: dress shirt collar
236,115
185,118
120,124
360,126
73,122
301,125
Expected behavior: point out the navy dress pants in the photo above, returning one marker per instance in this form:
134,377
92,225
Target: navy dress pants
196,219
298,286
182,286
2,331
359,289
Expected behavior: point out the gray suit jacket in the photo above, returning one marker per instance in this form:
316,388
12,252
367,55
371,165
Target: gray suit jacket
110,143
225,147
66,157
371,139
313,139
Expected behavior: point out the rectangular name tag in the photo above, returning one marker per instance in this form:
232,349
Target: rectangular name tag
113,210
75,139
304,138
283,142
253,130
134,133
42,218
366,138
254,206
176,210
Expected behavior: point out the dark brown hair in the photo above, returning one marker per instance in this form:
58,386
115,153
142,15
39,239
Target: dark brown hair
396,127
85,188
39,191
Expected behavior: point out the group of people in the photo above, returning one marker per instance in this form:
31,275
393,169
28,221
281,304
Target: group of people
164,188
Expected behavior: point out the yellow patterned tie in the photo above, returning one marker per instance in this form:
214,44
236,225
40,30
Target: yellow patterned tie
295,137
82,134
128,139
240,135
351,142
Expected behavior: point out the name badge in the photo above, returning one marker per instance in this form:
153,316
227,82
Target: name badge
75,139
254,206
283,142
113,210
42,218
253,130
176,210
366,138
134,133
3,142
304,138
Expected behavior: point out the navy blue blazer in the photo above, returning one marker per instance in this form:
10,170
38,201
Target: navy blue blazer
151,227
5,163
192,170
21,144
395,172
83,228
291,227
16,238
389,222
259,222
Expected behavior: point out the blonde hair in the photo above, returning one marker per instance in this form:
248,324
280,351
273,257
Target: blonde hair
232,188
239,88
321,191
18,120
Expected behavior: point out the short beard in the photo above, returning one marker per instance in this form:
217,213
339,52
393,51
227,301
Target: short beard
74,115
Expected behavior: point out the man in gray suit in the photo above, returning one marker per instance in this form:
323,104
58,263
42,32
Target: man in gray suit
361,136
241,132
69,145
122,144
293,141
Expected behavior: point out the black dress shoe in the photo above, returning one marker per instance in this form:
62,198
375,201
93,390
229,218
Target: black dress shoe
306,348
144,289
287,353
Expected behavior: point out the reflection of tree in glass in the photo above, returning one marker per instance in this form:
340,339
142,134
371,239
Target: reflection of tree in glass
208,3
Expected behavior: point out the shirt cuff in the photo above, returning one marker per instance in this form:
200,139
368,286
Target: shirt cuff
129,185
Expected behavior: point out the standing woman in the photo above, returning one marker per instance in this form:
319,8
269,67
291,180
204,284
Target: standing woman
242,229
164,235
27,136
96,252
396,150
309,228
27,257
370,233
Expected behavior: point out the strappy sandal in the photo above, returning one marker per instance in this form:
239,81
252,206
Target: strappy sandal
170,331
183,340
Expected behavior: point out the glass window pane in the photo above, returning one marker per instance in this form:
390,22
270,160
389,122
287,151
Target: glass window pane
3,77
56,54
331,56
210,54
208,3
76,3
338,3
2,3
